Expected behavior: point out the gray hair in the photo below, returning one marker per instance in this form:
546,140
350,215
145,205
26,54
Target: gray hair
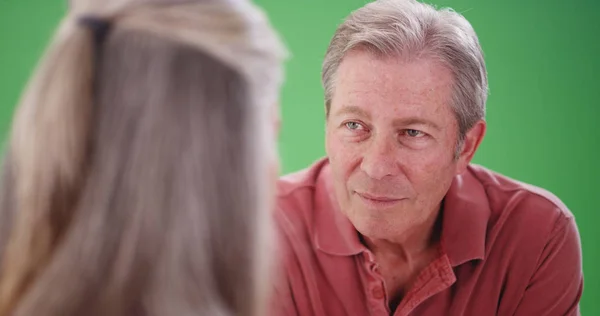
414,29
135,181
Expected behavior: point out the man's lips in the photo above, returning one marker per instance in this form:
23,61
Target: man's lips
380,198
378,201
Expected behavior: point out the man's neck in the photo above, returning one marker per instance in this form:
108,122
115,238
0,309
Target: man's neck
409,243
400,260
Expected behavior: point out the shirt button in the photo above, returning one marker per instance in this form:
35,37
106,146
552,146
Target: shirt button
378,293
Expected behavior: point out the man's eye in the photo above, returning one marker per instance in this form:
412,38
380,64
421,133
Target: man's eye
414,133
352,125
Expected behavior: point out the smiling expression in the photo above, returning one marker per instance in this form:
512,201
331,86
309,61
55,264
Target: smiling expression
391,141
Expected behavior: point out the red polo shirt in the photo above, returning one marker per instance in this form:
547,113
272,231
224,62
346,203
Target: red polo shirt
506,248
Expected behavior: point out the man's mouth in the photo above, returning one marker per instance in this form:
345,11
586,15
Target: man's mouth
378,201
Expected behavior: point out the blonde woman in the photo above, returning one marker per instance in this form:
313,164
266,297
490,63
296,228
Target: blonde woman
135,180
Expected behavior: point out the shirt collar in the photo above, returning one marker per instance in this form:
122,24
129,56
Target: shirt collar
464,224
466,214
334,233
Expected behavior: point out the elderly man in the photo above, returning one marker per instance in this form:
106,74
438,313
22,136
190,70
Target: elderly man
396,220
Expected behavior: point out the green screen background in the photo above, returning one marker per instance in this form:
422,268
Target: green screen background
543,64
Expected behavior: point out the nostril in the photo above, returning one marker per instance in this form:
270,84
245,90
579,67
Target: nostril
378,169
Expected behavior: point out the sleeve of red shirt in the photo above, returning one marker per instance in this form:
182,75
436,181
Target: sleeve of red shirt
282,301
556,286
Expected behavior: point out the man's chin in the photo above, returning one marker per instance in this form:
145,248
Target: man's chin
373,228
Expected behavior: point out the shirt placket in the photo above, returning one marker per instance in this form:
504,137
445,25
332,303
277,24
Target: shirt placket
374,286
437,277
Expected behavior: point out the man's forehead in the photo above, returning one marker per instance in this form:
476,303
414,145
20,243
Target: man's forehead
363,72
365,79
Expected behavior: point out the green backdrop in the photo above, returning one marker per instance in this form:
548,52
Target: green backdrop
543,65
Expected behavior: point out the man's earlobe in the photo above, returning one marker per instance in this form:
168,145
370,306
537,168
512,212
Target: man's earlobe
470,144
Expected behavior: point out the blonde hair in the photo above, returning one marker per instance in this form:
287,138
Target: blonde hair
135,178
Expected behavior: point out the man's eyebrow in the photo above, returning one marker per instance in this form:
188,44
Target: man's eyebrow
351,109
416,121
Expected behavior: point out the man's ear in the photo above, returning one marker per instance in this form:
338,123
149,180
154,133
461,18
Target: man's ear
470,144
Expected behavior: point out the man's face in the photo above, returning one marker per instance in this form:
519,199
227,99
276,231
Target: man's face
391,140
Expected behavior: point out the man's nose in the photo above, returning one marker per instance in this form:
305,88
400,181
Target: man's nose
379,159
